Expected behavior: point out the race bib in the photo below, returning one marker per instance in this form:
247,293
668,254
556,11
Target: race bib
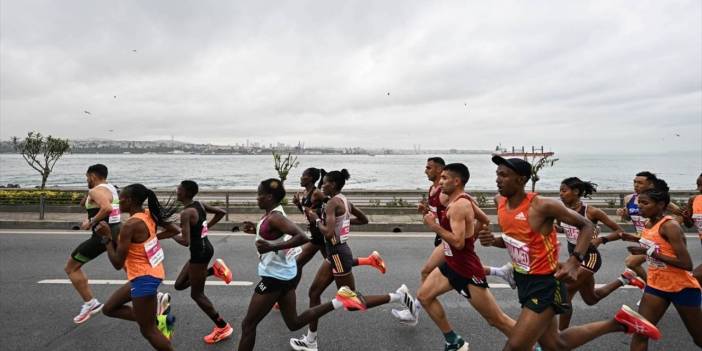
697,219
204,231
647,244
345,230
572,233
447,249
639,223
115,215
154,252
292,253
519,252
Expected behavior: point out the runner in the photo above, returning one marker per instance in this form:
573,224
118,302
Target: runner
313,198
276,236
461,269
338,216
138,252
102,205
194,230
669,266
693,217
572,191
527,221
435,205
643,181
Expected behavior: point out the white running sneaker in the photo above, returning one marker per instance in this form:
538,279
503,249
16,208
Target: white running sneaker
403,316
410,303
302,344
87,310
508,271
163,303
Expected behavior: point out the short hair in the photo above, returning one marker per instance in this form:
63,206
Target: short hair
460,170
273,187
659,193
648,175
99,170
191,188
437,160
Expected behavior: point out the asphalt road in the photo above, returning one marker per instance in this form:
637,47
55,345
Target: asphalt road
39,316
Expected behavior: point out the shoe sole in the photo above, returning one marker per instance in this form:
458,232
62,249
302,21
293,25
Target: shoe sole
92,312
222,264
627,310
381,267
221,338
301,348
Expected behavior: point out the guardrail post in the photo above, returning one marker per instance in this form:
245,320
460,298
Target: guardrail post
42,203
226,206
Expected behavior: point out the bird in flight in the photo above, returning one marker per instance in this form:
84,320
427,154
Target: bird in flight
115,96
86,112
388,93
133,50
111,130
677,135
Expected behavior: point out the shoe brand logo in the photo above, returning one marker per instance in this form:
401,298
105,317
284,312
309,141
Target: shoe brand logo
520,216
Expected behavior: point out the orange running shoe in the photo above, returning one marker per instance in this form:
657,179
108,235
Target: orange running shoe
636,323
276,307
377,262
219,334
631,277
221,271
350,300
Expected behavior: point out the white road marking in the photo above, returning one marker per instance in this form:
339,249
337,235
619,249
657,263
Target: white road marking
122,282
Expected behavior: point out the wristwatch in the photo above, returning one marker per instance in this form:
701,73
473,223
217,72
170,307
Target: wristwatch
578,256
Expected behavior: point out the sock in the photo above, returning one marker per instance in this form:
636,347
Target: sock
93,301
210,271
395,297
311,336
623,281
451,337
336,304
497,272
219,322
363,261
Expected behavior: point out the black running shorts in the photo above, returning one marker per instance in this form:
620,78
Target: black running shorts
592,261
93,246
459,282
269,285
539,292
340,258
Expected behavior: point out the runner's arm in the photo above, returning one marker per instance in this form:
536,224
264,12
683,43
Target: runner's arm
327,229
170,230
551,208
601,216
687,214
118,253
286,226
218,214
101,197
672,231
459,216
623,212
359,218
184,237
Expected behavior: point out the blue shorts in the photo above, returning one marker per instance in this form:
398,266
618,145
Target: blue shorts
145,285
691,297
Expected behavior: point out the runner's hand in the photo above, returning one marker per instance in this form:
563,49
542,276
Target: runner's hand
85,225
422,207
596,242
248,227
485,235
429,219
311,215
296,199
103,229
629,237
621,212
263,246
636,250
568,271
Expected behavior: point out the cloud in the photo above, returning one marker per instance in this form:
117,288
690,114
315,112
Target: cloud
571,76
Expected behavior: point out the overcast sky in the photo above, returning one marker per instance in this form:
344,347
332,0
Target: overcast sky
595,76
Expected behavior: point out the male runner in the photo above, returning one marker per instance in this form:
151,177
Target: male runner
527,221
102,205
461,269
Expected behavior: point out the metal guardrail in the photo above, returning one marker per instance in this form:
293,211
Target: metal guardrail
232,199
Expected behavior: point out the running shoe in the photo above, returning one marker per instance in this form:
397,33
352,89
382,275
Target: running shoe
164,302
219,334
350,300
404,316
636,323
508,271
87,310
165,324
459,345
221,271
276,307
631,277
410,303
302,344
377,262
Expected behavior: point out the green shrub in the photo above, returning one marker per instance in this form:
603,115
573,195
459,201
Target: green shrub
30,197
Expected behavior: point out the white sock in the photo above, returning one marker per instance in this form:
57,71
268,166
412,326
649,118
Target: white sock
336,304
92,302
311,336
395,297
497,272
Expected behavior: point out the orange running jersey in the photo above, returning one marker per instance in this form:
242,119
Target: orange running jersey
145,258
662,276
531,252
697,214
